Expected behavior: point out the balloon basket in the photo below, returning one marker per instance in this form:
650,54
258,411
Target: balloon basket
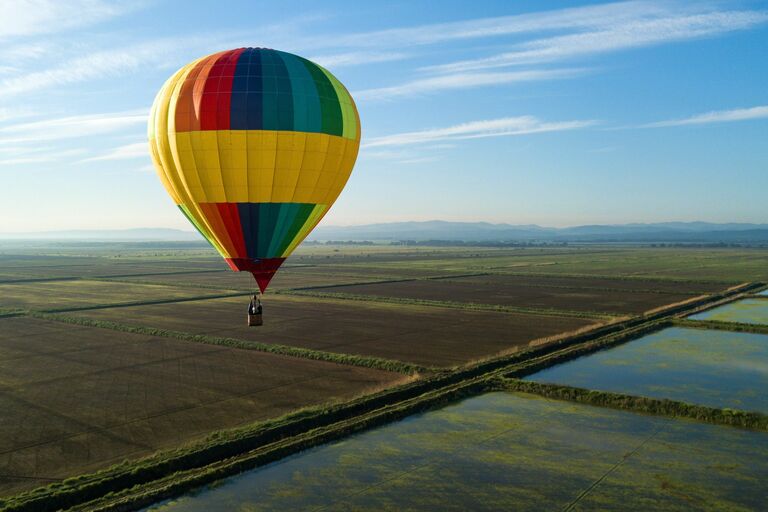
254,320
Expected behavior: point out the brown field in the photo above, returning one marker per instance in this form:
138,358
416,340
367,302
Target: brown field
513,282
75,399
505,291
424,335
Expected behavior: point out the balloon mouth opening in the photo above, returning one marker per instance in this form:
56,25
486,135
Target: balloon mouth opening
263,269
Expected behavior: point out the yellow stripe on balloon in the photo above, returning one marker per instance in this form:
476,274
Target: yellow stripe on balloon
263,166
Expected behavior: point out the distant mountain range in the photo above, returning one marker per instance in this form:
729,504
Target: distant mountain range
670,232
437,230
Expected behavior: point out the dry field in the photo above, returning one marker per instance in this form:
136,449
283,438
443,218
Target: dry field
614,297
75,399
425,335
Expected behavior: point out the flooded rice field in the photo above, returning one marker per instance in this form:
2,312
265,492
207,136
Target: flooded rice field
509,451
747,311
713,368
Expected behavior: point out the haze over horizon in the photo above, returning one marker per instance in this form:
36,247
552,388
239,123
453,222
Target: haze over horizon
556,114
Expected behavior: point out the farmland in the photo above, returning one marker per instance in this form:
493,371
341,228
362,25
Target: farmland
503,451
716,368
75,398
750,311
428,336
118,352
603,296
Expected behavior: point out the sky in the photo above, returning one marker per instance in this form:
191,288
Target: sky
524,112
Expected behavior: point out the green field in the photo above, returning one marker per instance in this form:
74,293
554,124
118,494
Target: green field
116,351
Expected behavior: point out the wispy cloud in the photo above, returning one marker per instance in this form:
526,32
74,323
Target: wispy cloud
338,60
462,81
128,151
30,17
91,66
42,157
620,36
717,116
168,52
586,17
71,127
505,126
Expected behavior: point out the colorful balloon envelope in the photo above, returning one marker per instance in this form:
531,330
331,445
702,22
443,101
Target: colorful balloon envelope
254,146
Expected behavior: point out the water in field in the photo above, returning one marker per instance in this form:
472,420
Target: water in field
764,292
714,368
748,311
509,451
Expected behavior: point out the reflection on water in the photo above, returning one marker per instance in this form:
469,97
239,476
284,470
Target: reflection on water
509,451
714,368
748,311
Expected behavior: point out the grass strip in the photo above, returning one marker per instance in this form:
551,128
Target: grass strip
5,312
721,326
168,273
286,350
175,284
449,304
38,280
146,302
658,407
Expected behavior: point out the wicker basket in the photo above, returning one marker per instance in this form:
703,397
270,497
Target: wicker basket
254,320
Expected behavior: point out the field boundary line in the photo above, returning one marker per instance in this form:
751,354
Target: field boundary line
583,494
180,285
38,280
145,302
377,363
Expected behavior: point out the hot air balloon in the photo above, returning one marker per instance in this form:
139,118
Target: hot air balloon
254,146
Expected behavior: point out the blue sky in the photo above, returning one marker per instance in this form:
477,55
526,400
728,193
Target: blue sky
554,113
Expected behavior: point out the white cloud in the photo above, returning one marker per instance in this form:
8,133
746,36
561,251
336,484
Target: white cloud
717,116
71,127
165,52
593,16
9,113
356,58
128,151
462,81
30,17
91,66
42,157
505,126
630,34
